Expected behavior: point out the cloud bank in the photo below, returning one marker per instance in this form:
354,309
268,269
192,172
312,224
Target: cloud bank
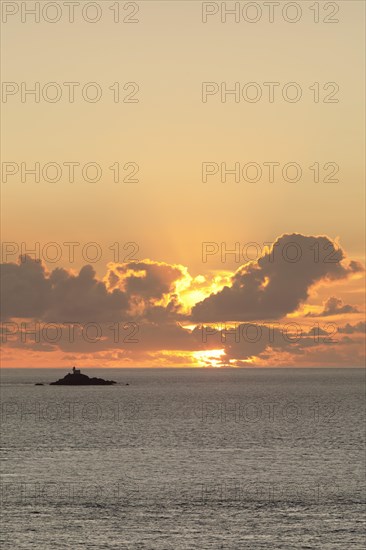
148,299
277,283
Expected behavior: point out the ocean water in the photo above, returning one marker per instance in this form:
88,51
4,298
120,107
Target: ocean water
184,459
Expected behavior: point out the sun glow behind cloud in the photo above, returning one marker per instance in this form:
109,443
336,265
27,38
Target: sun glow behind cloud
210,358
254,316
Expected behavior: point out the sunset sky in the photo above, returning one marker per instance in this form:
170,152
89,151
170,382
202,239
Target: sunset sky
296,298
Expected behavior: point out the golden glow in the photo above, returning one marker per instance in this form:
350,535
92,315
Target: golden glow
192,290
265,283
191,298
210,358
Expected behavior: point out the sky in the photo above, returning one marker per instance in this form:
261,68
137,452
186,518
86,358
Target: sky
196,173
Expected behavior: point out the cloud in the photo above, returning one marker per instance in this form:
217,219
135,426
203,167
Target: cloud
28,290
243,341
137,290
147,278
25,289
151,288
156,297
334,306
139,341
278,282
352,329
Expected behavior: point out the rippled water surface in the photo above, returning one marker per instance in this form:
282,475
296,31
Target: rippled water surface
184,459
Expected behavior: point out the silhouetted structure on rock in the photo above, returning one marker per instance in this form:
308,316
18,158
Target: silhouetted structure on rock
77,379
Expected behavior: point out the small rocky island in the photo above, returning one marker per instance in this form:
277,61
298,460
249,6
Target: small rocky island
77,379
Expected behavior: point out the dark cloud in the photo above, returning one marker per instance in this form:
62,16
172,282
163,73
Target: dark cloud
149,294
334,306
245,340
277,283
29,291
146,279
130,290
353,329
25,289
150,287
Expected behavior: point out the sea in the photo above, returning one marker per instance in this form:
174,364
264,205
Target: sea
184,459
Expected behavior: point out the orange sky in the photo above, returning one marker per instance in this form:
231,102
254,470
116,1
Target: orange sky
159,242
